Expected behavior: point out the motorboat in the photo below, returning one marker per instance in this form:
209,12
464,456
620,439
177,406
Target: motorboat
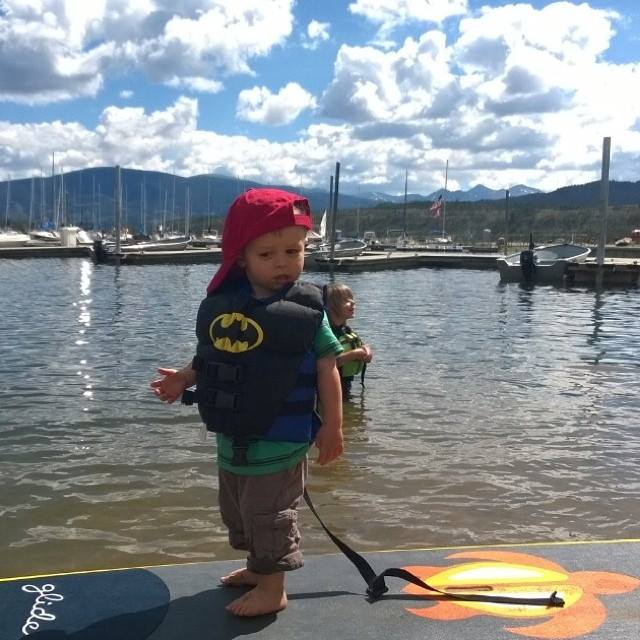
545,264
208,239
44,237
174,243
345,248
11,238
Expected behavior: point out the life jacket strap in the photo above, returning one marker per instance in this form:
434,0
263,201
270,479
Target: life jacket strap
218,371
213,397
240,447
376,586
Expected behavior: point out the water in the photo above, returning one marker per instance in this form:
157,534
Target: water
491,414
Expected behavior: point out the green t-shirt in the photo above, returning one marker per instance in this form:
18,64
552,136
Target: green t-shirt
271,456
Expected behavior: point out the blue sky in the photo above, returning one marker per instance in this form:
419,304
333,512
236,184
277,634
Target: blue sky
278,91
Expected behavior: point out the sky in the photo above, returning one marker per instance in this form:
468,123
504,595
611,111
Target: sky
278,91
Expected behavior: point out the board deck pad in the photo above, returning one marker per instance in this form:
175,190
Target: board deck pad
600,583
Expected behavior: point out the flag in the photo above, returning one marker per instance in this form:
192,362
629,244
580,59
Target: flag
435,208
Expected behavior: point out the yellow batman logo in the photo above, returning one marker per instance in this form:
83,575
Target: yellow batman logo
235,333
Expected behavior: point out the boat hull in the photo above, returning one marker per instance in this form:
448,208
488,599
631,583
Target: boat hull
547,264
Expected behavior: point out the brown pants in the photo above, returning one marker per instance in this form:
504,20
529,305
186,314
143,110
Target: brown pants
261,513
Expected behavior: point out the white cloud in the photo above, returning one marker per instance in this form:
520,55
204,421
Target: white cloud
196,84
126,94
530,100
392,13
61,49
370,84
317,33
260,105
519,95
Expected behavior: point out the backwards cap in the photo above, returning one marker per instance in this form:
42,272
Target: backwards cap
252,214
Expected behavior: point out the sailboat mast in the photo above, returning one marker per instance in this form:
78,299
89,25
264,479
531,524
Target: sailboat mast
208,204
404,209
31,199
6,208
444,198
53,190
43,213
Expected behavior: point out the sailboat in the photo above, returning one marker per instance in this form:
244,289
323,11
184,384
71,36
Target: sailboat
343,247
10,237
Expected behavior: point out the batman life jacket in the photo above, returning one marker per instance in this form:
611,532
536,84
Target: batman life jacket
255,364
349,340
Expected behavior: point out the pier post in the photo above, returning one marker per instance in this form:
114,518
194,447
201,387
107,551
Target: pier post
118,208
334,213
604,199
506,221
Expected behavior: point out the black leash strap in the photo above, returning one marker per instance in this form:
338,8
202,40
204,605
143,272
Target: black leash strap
376,586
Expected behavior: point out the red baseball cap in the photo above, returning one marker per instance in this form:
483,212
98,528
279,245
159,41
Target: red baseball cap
252,214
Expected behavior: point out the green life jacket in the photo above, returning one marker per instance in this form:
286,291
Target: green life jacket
349,340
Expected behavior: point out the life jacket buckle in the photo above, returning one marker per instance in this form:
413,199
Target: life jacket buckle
225,400
240,454
224,372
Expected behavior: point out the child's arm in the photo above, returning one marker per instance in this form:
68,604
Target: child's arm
175,381
363,353
329,439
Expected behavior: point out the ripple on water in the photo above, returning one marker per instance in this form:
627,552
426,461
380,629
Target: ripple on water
491,414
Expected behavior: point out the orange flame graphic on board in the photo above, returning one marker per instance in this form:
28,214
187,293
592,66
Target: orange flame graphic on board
524,575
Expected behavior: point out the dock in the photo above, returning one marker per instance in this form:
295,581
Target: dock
186,256
379,260
617,272
56,251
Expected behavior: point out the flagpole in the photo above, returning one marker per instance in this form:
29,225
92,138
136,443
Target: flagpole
444,197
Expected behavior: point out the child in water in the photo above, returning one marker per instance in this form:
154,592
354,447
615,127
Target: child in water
341,307
265,352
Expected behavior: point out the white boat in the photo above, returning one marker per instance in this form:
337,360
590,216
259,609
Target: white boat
11,238
346,248
174,243
544,264
208,239
87,238
45,236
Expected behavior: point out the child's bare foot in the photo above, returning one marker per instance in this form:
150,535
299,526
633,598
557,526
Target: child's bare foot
240,578
268,596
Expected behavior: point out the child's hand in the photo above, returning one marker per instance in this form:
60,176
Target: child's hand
366,353
330,443
170,387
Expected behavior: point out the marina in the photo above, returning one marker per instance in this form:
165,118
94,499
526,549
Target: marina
618,271
319,320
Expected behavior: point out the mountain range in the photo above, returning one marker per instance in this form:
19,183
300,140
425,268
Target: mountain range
86,197
475,194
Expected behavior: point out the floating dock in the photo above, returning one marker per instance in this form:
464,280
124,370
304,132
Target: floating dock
599,583
617,272
56,251
378,260
185,256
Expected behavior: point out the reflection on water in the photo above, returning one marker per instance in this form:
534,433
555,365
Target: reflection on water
491,413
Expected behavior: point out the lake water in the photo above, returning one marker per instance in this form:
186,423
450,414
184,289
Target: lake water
491,414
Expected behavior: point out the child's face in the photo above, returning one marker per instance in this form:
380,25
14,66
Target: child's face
274,260
347,310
